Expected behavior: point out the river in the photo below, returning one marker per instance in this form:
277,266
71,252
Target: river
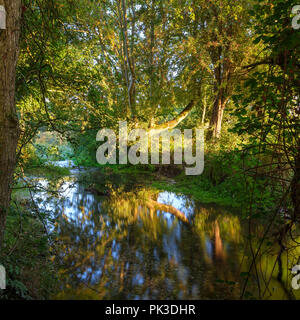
119,238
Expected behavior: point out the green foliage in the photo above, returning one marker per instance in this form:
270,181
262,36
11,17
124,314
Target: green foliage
85,65
267,108
224,182
30,273
85,147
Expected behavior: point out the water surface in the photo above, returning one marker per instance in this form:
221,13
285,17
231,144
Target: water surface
118,238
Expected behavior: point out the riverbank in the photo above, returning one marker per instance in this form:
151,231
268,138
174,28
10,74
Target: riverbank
200,188
217,188
27,256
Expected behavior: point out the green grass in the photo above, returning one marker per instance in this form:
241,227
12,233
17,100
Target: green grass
199,188
47,171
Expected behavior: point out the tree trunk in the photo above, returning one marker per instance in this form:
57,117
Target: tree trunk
204,110
9,129
295,189
173,123
217,117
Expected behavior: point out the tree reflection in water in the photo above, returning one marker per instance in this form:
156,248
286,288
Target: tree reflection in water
141,244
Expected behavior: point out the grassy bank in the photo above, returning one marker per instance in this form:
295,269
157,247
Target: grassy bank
47,171
173,179
199,189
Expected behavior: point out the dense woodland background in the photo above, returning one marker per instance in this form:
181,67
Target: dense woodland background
69,68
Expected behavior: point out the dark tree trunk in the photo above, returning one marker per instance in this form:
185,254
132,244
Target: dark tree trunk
9,129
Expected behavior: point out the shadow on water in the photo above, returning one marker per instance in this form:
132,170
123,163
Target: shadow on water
134,242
